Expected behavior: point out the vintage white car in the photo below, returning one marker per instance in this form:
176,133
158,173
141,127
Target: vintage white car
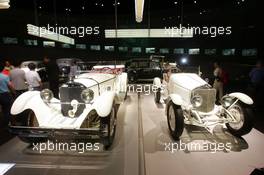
191,100
86,108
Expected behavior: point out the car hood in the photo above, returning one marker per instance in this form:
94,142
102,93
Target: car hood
91,79
188,81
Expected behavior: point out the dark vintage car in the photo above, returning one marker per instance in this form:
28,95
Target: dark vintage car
65,69
143,70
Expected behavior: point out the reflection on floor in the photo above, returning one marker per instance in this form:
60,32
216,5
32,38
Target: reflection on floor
162,154
195,153
119,160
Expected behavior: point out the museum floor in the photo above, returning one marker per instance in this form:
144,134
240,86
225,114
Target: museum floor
139,148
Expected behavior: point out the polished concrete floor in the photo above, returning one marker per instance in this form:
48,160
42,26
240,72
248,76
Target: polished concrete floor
140,148
245,154
121,159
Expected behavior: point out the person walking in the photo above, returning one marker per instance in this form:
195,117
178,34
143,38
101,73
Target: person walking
6,99
218,82
33,79
52,70
18,79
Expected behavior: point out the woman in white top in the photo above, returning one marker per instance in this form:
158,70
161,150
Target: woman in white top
32,78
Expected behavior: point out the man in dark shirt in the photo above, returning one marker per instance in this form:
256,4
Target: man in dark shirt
52,70
257,83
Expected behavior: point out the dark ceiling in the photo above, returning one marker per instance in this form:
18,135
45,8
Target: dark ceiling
127,6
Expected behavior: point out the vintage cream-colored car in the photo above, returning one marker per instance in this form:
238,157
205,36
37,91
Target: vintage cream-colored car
191,100
86,107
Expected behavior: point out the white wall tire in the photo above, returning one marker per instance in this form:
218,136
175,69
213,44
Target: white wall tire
157,96
31,121
175,120
244,120
108,127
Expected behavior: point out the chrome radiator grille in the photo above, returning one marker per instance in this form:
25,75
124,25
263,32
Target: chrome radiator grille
209,97
67,94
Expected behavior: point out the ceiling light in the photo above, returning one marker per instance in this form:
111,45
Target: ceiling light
139,8
184,60
4,4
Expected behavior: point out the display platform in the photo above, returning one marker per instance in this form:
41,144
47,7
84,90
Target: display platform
143,146
245,155
121,159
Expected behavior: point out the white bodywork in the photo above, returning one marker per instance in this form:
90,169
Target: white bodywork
112,89
179,90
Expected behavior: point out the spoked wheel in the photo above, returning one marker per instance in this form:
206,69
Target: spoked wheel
243,120
108,128
91,121
157,95
175,120
32,122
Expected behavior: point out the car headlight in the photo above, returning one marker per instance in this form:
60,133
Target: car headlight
46,95
87,95
197,101
227,101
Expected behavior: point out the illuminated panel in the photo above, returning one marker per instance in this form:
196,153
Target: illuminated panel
148,33
43,33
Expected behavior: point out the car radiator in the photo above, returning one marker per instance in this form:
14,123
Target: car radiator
67,94
208,96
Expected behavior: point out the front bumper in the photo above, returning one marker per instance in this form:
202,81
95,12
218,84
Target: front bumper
54,133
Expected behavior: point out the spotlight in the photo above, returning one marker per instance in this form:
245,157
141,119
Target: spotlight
184,60
139,8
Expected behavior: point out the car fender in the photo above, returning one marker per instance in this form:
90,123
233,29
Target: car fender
103,104
32,100
176,99
157,82
22,102
242,97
